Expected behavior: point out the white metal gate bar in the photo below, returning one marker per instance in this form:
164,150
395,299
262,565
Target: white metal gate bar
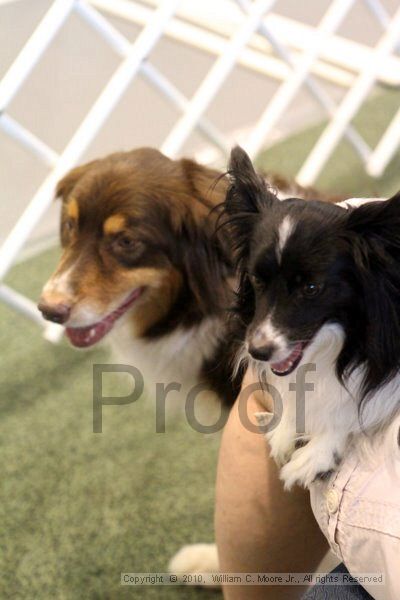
349,105
389,142
23,305
385,149
345,53
122,45
339,59
213,42
314,88
33,49
180,101
28,139
380,13
215,78
287,91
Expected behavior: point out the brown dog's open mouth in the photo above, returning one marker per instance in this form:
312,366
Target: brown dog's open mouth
83,337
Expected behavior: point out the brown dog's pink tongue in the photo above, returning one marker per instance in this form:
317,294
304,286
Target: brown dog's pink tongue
83,337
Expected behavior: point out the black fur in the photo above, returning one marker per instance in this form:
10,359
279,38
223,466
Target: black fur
204,262
217,370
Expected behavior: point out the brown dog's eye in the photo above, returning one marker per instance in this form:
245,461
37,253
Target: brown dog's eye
67,230
125,242
69,225
310,290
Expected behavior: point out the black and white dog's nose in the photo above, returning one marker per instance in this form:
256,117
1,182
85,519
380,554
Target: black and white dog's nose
263,353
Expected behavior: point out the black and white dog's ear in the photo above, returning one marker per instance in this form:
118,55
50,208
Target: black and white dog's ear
248,192
377,221
373,230
247,195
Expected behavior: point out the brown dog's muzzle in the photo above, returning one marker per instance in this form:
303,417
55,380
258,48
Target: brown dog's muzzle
57,312
57,299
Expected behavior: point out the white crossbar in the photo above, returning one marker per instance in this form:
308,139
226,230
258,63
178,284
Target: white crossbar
349,105
312,85
287,91
153,75
340,57
28,139
385,149
85,133
215,78
33,50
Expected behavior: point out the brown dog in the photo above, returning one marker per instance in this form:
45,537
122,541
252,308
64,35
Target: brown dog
142,263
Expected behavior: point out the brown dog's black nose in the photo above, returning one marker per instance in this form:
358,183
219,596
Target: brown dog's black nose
263,353
58,313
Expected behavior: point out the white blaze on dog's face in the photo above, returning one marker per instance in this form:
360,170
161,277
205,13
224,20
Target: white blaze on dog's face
124,232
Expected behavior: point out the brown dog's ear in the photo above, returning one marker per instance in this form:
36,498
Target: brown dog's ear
207,185
68,182
204,259
202,253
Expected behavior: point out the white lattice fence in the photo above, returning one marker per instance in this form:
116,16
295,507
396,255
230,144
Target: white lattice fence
253,36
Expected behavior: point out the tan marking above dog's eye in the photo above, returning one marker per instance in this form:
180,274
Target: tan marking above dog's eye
73,209
114,224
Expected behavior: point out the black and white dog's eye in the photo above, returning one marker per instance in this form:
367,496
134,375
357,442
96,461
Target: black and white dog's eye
310,290
255,281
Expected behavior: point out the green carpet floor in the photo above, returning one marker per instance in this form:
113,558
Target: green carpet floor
77,508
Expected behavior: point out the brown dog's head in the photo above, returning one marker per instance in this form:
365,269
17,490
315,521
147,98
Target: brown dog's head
137,236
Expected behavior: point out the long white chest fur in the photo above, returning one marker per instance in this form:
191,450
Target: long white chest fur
317,417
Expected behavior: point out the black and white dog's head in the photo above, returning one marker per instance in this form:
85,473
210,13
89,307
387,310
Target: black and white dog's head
308,264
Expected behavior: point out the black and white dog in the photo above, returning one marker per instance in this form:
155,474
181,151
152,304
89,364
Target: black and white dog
319,291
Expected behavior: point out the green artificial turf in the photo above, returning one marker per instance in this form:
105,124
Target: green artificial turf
78,508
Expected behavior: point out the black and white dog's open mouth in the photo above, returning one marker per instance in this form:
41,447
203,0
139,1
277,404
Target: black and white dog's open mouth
288,365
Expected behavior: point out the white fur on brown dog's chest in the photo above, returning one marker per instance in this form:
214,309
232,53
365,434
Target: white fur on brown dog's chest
173,358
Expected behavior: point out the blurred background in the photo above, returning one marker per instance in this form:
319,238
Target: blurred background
78,508
65,82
